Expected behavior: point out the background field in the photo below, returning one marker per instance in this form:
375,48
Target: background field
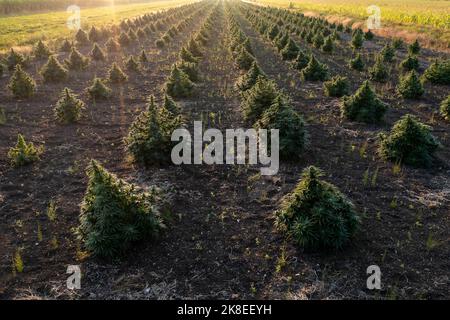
10,7
24,30
430,20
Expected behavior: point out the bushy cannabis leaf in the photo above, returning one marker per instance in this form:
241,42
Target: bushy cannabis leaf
115,214
99,90
292,133
387,53
318,40
160,43
290,51
438,72
187,56
201,38
143,59
94,34
315,71
116,75
336,87
357,63
14,58
445,108
141,34
171,106
379,71
248,79
194,48
97,53
409,142
397,43
76,60
316,214
328,45
24,153
369,35
21,83
191,69
68,108
273,32
363,106
414,48
258,99
41,50
112,45
178,84
335,35
410,86
244,59
302,60
66,46
410,63
132,64
53,71
357,39
149,138
281,41
82,37
124,40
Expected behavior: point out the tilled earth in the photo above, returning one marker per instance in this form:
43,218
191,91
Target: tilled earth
220,241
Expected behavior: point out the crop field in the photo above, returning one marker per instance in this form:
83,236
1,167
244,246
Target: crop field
97,173
24,30
407,18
